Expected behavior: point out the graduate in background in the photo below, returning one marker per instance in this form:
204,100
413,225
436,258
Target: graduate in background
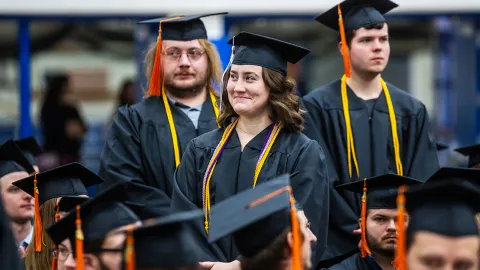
260,138
366,126
270,231
442,232
378,222
146,140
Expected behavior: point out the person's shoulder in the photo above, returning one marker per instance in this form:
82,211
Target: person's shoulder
324,95
350,263
208,140
404,103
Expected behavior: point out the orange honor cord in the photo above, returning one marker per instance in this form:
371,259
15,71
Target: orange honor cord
79,241
37,218
130,250
400,262
346,56
363,223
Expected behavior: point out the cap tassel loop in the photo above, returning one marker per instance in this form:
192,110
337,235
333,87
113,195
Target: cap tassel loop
296,235
130,250
400,253
363,223
156,80
346,56
57,218
37,218
79,241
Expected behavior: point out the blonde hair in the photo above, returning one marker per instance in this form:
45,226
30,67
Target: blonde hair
214,64
42,260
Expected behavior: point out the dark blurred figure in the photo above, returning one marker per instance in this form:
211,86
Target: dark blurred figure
126,96
62,126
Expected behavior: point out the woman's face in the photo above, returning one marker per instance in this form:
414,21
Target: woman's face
247,91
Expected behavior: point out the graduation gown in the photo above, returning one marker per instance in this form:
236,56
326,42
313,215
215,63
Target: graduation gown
291,153
9,258
356,262
139,145
374,148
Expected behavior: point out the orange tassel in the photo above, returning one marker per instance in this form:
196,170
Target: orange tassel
346,57
79,241
130,250
400,261
363,223
297,242
156,80
57,217
37,218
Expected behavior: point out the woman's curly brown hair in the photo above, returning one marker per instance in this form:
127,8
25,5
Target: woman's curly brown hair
283,101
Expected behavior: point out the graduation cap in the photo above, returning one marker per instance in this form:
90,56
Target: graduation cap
30,149
183,28
68,203
375,192
256,217
68,180
166,242
465,176
441,146
13,160
265,51
357,14
97,217
473,154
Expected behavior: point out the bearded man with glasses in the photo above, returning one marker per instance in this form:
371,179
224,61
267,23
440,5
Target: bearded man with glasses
146,140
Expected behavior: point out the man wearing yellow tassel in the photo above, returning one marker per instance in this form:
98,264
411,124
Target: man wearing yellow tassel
378,222
146,140
366,126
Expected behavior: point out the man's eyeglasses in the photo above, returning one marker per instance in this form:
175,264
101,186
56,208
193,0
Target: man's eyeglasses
174,54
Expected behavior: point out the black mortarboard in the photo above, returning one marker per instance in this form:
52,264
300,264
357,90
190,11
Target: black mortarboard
186,28
99,216
378,189
254,222
357,14
472,152
167,242
30,149
446,208
267,52
466,176
441,146
13,160
69,180
68,203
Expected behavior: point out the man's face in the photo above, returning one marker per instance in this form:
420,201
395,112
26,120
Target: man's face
187,75
382,232
431,251
18,204
370,50
309,238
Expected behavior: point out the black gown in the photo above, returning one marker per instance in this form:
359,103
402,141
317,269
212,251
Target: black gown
9,258
374,147
356,262
139,146
291,153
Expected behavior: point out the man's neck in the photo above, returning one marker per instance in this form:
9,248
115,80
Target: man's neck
365,87
384,262
192,101
254,125
21,230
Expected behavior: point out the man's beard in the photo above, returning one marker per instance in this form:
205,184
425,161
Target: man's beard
191,90
375,246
